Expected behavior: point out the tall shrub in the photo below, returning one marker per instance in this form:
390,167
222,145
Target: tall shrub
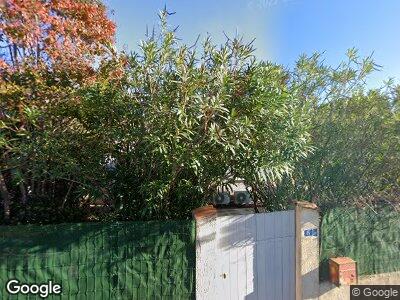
354,133
181,122
47,50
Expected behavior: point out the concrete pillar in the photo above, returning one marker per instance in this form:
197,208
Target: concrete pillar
307,250
205,252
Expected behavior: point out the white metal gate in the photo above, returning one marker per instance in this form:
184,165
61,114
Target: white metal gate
256,256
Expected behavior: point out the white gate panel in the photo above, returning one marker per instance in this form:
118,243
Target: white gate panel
256,256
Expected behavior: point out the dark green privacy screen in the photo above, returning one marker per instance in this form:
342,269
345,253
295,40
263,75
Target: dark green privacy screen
370,237
127,260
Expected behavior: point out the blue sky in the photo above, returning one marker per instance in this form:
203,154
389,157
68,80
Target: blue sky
283,29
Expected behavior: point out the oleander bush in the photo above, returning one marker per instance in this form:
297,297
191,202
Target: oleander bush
355,134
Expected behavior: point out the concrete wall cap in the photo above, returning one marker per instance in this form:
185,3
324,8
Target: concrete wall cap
204,212
306,204
342,260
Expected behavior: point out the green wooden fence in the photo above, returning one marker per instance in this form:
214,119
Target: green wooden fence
369,236
126,260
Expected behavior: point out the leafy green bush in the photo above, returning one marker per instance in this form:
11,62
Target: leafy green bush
355,135
180,123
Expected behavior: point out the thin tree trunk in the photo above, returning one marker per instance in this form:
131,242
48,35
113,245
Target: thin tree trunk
53,191
66,196
42,187
32,186
11,54
6,198
255,198
23,193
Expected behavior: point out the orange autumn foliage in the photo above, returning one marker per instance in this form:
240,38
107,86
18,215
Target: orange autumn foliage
60,35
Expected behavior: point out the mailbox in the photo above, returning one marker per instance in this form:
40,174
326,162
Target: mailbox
342,271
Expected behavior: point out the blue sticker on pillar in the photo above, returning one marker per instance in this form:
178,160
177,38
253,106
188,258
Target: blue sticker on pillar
311,232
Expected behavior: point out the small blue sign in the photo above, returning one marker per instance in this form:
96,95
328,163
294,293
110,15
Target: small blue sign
311,232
